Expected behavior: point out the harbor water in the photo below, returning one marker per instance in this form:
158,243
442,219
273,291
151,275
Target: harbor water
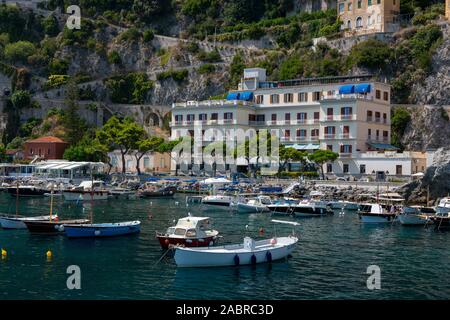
330,260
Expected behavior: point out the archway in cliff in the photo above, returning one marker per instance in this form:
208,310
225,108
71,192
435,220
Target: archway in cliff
152,120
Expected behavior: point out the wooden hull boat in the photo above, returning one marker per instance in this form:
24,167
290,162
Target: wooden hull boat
19,222
51,227
167,192
248,253
167,241
26,191
98,230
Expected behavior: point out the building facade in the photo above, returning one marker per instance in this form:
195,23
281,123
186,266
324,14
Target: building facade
347,115
368,16
45,148
150,163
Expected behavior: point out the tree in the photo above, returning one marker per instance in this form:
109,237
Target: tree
88,149
21,99
121,134
290,154
143,147
50,25
168,147
320,157
75,125
400,120
19,51
372,54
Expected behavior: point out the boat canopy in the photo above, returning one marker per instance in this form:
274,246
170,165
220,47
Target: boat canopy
363,88
309,146
347,89
192,222
215,181
246,96
233,96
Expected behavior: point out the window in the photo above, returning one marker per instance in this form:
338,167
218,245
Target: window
399,170
369,20
288,97
377,116
202,117
287,134
274,98
369,2
329,131
384,118
260,118
359,4
316,117
315,133
301,133
178,118
369,115
274,118
349,24
329,147
214,116
228,115
350,6
378,94
303,97
359,22
346,148
386,96
260,99
330,114
362,169
190,117
251,117
345,132
346,113
48,151
302,116
329,168
287,117
346,170
341,7
316,96
146,162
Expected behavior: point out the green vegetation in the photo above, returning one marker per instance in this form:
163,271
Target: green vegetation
212,56
206,68
55,81
58,66
114,58
148,35
132,88
371,54
320,157
19,51
50,25
399,121
177,75
21,99
130,35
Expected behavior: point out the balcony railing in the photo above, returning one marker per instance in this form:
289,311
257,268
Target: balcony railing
330,136
345,155
284,139
301,138
228,121
377,139
256,123
345,136
342,117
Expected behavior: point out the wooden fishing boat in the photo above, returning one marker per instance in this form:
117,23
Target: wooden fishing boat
189,232
375,213
247,253
96,230
51,227
26,191
158,192
13,222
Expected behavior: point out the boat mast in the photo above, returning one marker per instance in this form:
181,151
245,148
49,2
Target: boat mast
92,194
17,194
51,203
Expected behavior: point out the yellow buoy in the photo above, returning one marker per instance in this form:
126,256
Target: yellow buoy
49,254
4,253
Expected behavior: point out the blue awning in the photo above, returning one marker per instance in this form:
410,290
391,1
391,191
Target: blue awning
233,96
362,88
347,89
246,96
382,146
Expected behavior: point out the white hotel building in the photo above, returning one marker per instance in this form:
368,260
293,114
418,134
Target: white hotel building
348,115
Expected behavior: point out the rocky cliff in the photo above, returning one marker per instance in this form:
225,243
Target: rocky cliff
429,128
436,180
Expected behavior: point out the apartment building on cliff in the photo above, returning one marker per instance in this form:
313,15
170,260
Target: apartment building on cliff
348,115
369,16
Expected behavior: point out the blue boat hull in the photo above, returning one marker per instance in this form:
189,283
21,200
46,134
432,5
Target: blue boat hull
100,231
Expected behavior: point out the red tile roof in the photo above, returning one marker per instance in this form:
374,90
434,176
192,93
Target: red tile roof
48,139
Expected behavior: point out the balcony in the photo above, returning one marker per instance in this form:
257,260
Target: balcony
330,136
228,121
285,139
342,117
345,155
301,138
377,139
345,136
256,123
314,138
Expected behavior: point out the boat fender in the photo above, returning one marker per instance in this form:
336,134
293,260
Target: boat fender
211,243
236,260
97,232
253,259
60,228
269,256
261,231
167,242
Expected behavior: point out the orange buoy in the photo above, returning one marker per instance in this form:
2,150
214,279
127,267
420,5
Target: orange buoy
261,231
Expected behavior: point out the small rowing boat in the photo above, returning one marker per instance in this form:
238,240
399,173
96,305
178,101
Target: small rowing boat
97,230
13,222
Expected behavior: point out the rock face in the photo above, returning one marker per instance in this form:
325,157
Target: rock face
429,128
436,179
434,90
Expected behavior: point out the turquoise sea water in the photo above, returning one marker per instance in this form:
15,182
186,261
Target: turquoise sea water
329,262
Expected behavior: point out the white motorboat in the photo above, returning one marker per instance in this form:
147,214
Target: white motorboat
254,205
218,201
342,204
443,208
249,252
375,213
416,215
87,190
304,208
13,222
123,193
